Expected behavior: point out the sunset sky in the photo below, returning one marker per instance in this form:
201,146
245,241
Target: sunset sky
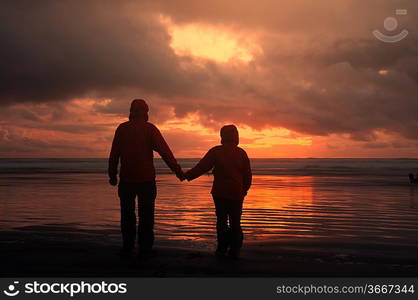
300,78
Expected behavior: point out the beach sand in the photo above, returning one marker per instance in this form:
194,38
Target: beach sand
65,251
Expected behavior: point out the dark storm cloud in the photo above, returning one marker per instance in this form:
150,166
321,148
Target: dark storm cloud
302,16
347,94
318,72
13,144
58,50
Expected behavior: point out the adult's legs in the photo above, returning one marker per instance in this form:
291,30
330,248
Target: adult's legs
147,192
222,228
127,196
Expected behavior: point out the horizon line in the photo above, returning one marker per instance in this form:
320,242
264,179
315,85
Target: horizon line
410,158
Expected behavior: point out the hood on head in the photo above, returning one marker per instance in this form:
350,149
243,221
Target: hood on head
139,110
229,135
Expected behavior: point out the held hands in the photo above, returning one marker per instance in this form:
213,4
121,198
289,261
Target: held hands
183,176
180,175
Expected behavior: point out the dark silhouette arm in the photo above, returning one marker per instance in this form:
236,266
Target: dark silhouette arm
203,166
114,156
161,147
247,175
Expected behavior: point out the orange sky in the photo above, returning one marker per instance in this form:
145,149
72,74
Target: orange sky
84,133
298,79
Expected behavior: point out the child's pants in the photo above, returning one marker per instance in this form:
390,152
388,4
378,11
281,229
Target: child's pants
231,235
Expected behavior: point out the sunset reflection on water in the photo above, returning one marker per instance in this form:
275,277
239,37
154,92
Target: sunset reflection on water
277,207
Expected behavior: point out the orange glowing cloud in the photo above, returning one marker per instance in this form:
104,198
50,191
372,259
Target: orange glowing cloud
216,43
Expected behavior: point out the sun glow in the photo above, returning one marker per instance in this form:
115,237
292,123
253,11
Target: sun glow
210,42
383,72
259,143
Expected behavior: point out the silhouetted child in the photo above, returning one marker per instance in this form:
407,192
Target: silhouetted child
232,180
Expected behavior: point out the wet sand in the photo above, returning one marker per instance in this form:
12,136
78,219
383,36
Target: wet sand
65,251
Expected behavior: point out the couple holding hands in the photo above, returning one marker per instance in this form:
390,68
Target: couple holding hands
133,146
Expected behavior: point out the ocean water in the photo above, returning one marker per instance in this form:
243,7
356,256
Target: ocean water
367,202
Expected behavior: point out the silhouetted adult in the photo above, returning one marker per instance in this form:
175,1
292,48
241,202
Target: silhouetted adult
232,180
133,145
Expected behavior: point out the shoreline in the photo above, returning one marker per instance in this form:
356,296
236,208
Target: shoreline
63,251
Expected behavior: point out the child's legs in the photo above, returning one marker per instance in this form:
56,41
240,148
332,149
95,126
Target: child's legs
235,212
222,229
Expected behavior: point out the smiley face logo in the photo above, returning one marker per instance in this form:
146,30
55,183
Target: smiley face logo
11,290
390,24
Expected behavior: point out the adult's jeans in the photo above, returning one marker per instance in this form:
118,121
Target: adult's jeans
146,193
